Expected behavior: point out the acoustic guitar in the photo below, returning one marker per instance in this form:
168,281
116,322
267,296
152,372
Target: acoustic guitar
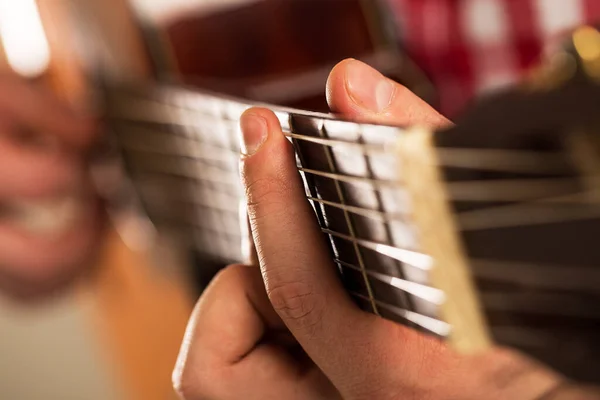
483,233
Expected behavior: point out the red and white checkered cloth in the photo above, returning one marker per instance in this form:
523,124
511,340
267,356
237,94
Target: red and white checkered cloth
469,47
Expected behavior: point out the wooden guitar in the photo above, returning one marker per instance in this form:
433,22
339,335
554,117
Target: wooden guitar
482,233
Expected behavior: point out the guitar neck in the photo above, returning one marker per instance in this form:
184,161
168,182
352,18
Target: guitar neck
182,150
409,216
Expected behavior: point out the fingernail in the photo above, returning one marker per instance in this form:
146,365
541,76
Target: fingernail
368,88
254,133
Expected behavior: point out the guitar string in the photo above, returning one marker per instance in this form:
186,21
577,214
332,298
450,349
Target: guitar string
472,191
410,257
498,190
485,159
297,137
376,215
459,191
494,159
479,219
387,227
349,223
430,324
487,218
428,293
571,276
416,289
370,245
492,301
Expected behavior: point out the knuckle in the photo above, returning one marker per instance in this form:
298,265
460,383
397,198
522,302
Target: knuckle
297,302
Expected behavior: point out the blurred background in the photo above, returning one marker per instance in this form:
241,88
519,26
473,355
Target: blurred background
114,332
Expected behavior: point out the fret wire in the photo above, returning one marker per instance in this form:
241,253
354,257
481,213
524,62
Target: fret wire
366,212
424,292
363,148
349,223
377,183
416,259
307,180
430,324
405,299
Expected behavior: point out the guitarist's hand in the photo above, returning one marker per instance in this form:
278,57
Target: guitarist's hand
234,347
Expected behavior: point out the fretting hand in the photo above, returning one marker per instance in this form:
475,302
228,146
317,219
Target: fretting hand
302,337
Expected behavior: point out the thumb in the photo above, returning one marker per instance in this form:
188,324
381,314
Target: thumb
299,275
360,93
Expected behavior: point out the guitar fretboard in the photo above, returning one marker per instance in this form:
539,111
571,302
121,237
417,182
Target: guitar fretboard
526,210
183,148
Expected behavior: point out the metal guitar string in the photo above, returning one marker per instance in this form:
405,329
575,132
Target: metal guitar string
183,145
